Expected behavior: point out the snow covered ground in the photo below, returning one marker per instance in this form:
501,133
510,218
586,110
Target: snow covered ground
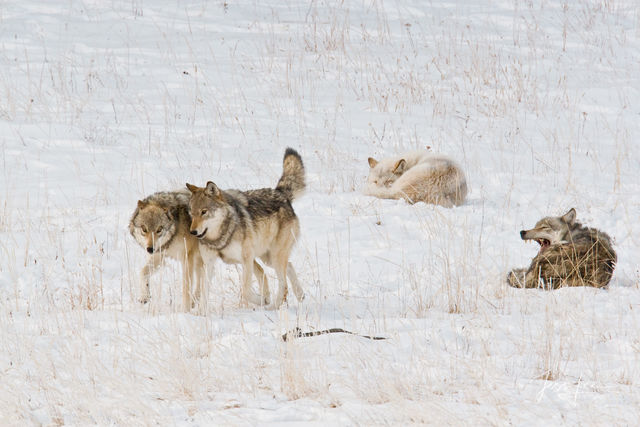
104,102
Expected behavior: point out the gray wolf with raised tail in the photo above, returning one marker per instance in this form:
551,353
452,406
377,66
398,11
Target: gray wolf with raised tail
160,224
240,226
417,176
570,255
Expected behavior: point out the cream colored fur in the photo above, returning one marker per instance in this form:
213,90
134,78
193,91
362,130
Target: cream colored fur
417,176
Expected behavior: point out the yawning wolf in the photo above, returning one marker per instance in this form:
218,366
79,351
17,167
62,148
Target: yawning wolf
570,255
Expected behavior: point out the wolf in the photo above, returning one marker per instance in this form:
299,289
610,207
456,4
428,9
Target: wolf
160,224
570,255
417,176
240,226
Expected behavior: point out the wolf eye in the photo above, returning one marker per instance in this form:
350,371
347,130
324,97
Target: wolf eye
203,212
159,230
144,229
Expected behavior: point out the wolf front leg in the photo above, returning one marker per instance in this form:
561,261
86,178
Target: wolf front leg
247,293
517,278
526,278
293,278
188,267
202,275
153,263
263,283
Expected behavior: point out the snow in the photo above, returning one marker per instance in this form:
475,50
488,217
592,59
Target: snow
103,103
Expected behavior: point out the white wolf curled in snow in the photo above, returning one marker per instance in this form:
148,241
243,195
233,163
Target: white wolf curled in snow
418,176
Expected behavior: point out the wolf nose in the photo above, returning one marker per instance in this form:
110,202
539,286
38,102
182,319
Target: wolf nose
522,233
194,232
150,249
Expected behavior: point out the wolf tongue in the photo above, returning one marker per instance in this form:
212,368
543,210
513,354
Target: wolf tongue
544,244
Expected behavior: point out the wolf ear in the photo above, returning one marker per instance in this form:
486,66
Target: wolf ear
192,187
372,162
212,190
141,204
398,168
570,217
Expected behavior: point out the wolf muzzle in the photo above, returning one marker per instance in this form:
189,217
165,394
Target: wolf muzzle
150,249
201,235
522,233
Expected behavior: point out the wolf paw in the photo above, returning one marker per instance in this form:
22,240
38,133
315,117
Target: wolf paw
515,278
145,294
258,299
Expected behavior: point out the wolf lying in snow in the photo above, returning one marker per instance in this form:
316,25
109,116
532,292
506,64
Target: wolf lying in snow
240,226
570,255
417,176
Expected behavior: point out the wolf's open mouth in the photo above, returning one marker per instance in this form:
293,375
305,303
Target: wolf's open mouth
201,235
544,244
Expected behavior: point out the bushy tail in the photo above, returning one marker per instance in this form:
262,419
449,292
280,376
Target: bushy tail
292,182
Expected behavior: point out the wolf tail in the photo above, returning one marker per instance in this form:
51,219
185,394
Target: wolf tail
292,182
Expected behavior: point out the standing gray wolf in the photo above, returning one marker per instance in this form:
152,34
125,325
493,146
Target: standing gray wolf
160,224
570,255
417,176
239,226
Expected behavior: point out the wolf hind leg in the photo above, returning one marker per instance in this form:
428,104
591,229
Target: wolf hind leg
281,271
